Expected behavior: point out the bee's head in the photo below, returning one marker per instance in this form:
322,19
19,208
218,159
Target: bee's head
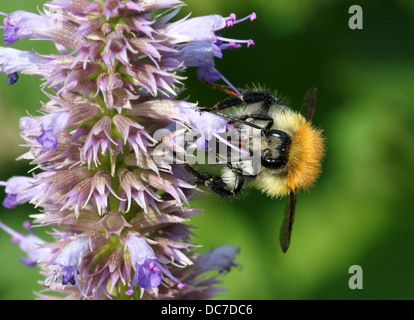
296,151
276,155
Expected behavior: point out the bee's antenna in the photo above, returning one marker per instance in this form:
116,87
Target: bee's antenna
236,119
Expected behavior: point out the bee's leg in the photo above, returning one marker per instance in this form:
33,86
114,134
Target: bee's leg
235,120
265,97
215,183
261,117
238,185
259,96
227,103
226,89
248,97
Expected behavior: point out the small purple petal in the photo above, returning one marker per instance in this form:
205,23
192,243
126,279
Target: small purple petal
147,277
48,140
13,77
22,24
10,201
209,74
10,35
30,244
206,123
19,190
218,258
147,268
66,266
28,262
73,254
45,128
199,54
13,60
196,29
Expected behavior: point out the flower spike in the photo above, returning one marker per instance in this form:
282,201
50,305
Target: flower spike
108,146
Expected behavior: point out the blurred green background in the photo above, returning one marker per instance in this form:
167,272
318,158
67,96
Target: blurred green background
360,212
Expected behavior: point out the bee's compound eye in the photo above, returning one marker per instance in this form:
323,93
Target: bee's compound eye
277,158
273,163
278,134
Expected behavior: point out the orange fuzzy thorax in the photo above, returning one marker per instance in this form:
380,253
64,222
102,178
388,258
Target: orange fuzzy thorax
305,155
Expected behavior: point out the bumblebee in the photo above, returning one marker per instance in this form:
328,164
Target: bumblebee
291,150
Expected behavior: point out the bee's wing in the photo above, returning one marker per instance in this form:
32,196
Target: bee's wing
289,217
309,101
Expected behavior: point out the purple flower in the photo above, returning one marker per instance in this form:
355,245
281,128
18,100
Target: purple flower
221,258
112,8
74,6
207,124
110,187
98,138
203,44
196,29
135,189
66,266
148,270
13,61
19,190
117,48
22,24
95,188
51,184
46,128
13,77
76,197
149,6
30,244
99,189
134,134
168,183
